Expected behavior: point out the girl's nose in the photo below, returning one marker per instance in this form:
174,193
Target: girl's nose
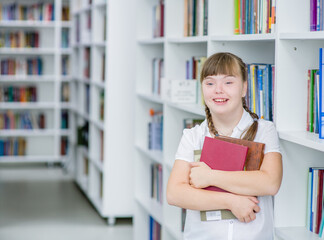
218,88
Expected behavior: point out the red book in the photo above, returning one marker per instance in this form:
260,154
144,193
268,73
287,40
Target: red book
221,155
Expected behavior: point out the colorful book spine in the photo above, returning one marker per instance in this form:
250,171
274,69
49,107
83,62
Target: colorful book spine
22,120
195,18
321,93
260,90
13,147
254,16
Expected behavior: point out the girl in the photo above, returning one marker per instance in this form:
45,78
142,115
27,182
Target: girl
224,86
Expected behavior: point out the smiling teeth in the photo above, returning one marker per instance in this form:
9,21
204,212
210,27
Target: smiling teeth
220,100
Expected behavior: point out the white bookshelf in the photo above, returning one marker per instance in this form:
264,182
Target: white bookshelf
106,179
42,145
292,48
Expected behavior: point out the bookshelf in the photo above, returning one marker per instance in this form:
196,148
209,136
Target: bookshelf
101,104
292,48
42,29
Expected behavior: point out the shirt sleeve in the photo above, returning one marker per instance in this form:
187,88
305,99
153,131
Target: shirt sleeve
271,139
186,146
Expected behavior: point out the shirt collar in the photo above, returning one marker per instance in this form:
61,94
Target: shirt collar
244,123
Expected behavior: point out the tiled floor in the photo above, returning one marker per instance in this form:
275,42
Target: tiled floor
41,203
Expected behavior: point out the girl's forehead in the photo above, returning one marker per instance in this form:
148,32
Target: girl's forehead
220,76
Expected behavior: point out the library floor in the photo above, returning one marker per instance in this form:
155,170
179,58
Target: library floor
41,203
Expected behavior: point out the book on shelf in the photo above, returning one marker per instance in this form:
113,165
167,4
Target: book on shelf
65,13
64,119
313,95
19,39
195,18
22,120
83,135
21,66
65,92
102,105
158,19
254,16
18,94
41,11
155,131
86,66
65,38
192,122
103,67
102,145
85,165
259,97
316,15
315,220
320,91
64,145
87,98
157,74
156,182
13,147
155,232
253,161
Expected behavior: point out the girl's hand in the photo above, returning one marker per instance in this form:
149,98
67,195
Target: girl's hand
200,174
244,207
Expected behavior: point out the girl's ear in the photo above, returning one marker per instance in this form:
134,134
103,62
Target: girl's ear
244,89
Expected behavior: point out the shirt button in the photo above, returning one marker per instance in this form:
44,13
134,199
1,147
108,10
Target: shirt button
231,222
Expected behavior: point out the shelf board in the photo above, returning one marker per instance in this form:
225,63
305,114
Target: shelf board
100,4
99,44
27,78
98,84
303,138
29,159
98,163
151,98
27,51
66,51
27,23
66,24
64,132
152,207
155,155
98,123
195,39
149,41
66,78
27,132
246,37
295,233
26,105
317,35
65,105
174,233
191,108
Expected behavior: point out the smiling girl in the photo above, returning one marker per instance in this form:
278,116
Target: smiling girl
224,86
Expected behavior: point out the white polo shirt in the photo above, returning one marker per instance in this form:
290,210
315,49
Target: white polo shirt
259,229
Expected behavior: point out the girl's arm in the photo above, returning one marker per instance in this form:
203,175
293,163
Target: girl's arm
180,193
266,181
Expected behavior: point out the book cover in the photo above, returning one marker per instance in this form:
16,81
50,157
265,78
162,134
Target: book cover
225,156
254,158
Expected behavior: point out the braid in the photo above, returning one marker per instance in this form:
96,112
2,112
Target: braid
210,122
251,132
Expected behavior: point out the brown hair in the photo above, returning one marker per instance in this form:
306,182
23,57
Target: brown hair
229,64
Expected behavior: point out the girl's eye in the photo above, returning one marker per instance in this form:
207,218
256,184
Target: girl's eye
229,82
209,83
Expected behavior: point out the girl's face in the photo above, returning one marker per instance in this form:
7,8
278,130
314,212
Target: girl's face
223,93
